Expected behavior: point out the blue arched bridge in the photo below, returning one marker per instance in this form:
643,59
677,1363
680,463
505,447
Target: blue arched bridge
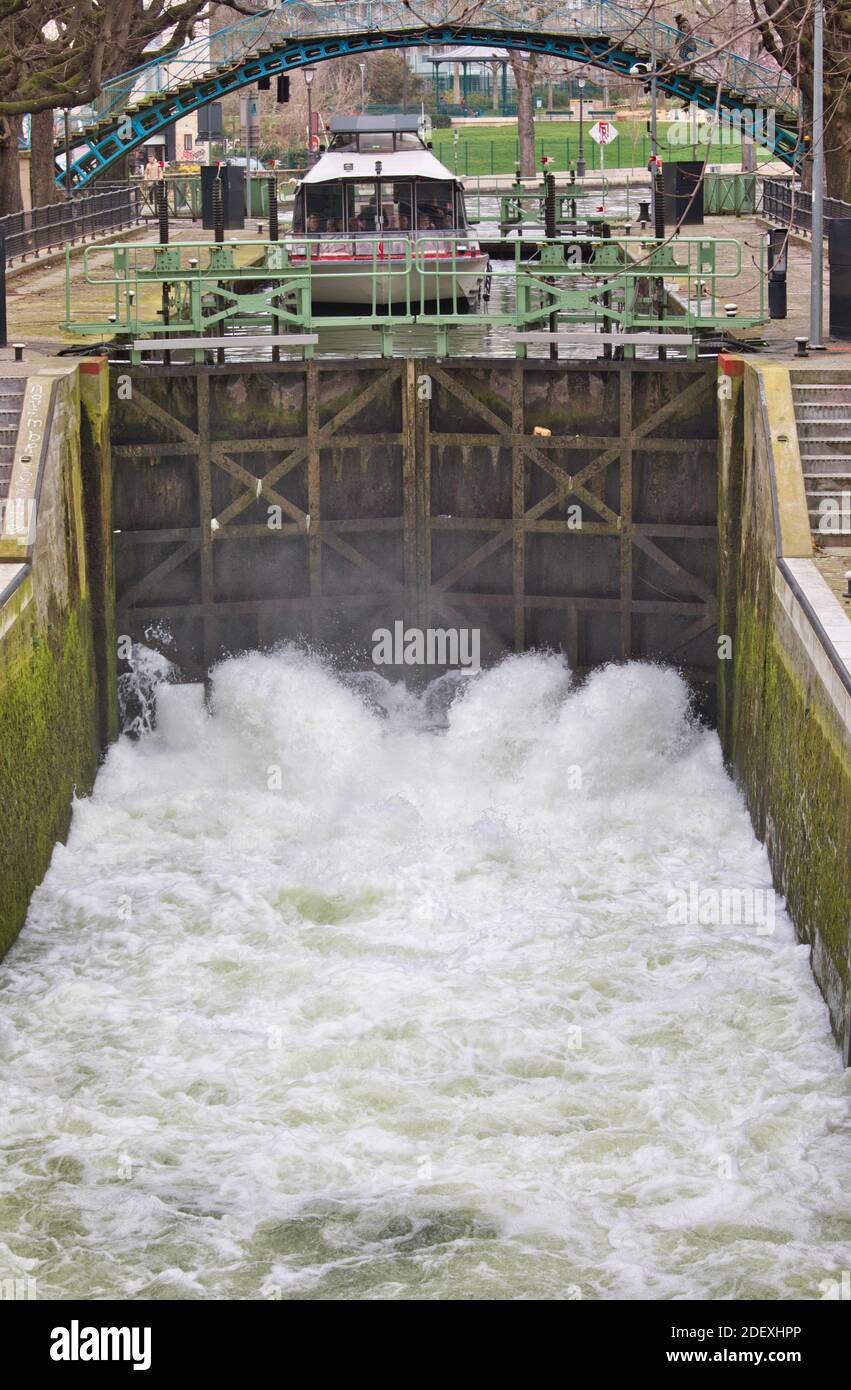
138,105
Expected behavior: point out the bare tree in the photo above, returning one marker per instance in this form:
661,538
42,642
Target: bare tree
58,53
786,31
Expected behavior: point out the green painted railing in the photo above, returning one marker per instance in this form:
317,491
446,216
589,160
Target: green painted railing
623,284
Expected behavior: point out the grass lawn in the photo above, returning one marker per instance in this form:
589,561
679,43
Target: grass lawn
492,149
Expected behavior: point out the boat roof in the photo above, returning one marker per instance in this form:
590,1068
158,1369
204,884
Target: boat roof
373,125
395,164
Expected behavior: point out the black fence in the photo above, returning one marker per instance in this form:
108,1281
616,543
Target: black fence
43,229
784,202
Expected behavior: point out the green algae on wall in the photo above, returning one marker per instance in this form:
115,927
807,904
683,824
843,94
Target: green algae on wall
48,749
783,738
50,703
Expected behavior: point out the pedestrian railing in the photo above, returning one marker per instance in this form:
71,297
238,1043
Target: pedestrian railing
37,230
784,201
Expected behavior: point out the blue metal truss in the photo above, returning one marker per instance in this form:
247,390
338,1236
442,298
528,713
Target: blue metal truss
133,128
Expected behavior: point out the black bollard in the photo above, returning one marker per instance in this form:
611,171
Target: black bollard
778,241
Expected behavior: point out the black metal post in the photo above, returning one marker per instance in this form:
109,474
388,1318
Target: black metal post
273,209
162,211
161,201
659,205
550,228
218,211
3,330
274,236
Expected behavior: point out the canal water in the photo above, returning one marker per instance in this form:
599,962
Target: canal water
342,991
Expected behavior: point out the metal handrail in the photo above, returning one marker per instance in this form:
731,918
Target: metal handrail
785,202
33,230
294,19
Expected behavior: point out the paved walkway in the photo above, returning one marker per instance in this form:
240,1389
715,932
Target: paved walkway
833,563
35,299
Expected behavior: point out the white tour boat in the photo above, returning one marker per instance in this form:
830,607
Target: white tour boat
382,221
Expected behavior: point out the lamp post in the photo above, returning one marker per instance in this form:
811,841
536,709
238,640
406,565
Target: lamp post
362,67
309,74
580,160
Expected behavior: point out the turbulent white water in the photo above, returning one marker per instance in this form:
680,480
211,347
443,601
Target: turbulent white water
338,992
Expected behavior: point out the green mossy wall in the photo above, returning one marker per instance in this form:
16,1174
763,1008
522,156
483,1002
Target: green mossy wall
49,748
781,735
54,715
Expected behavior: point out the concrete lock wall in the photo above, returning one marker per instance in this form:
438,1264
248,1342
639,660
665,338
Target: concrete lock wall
56,699
785,693
439,493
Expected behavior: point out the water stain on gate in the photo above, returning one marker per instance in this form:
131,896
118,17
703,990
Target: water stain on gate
323,500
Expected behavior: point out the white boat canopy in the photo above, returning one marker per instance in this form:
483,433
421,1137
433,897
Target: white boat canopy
397,164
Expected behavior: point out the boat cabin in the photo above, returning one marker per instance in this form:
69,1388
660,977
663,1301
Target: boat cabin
378,176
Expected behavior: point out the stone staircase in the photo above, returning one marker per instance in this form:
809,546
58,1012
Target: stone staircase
11,403
822,400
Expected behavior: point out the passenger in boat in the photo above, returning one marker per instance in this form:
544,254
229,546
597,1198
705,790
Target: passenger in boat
314,225
404,222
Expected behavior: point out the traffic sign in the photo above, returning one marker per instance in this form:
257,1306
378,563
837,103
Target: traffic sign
603,132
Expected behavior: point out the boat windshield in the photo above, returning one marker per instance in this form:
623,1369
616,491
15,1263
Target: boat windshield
370,206
376,142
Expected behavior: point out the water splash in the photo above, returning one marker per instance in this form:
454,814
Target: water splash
339,991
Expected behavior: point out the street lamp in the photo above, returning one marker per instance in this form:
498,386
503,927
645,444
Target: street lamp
309,74
580,160
362,67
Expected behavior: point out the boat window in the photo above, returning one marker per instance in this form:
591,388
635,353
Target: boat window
396,205
435,206
324,209
298,212
376,142
361,206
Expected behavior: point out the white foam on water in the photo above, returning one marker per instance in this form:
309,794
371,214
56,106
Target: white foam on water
339,991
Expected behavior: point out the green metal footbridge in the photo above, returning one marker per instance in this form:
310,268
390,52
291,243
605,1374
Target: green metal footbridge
138,105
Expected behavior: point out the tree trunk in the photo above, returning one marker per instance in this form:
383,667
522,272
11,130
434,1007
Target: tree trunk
43,189
456,84
837,165
523,74
495,86
10,175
